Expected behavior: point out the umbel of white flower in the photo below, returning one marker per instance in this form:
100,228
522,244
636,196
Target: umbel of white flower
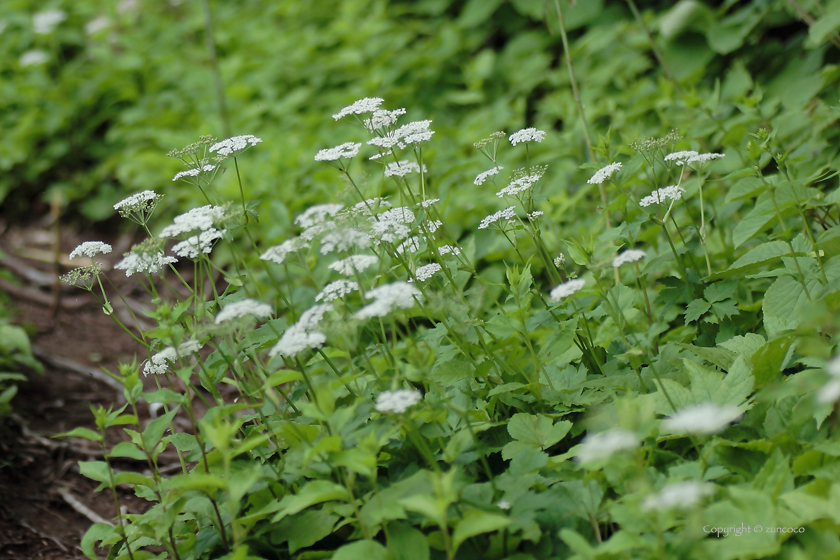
403,168
145,201
360,107
159,363
150,263
830,392
234,145
425,272
628,256
194,172
303,335
318,214
337,289
603,445
353,264
201,218
662,195
604,173
397,401
243,308
278,253
90,249
527,135
506,214
387,298
195,245
705,418
566,289
347,150
484,175
678,495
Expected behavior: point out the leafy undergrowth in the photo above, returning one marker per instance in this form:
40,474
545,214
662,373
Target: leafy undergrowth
637,364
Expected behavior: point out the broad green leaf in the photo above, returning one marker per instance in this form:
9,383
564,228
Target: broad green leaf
768,360
362,550
95,470
696,309
744,346
315,492
127,449
819,31
97,532
720,357
305,529
783,303
477,522
154,430
196,481
408,543
82,433
756,221
537,431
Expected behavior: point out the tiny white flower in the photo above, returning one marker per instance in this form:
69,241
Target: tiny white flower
410,245
403,168
90,249
680,156
389,231
243,308
567,289
45,22
701,159
433,225
295,340
662,195
318,214
360,107
336,290
484,175
201,218
353,264
705,418
535,214
527,135
382,118
401,214
397,401
195,245
503,504
96,25
560,260
347,150
519,185
425,272
278,253
343,240
408,134
427,203
678,495
603,445
604,173
387,298
506,214
449,249
145,201
366,207
150,263
33,58
194,172
234,145
159,363
628,256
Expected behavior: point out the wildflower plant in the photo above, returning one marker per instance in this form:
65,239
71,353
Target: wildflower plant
409,385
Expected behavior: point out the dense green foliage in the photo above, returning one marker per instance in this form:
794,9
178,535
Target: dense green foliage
512,359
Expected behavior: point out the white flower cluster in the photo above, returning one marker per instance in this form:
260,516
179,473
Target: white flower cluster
278,253
680,156
527,135
830,392
506,214
193,246
535,214
682,495
425,272
159,363
449,249
90,249
45,22
397,401
234,145
150,263
519,185
433,225
367,207
343,240
687,157
661,195
560,260
389,231
604,173
406,135
347,150
401,214
303,335
705,418
387,298
194,172
360,107
427,203
382,118
145,201
567,289
353,264
96,25
33,58
243,308
628,256
318,214
484,175
602,445
201,218
337,289
410,245
403,168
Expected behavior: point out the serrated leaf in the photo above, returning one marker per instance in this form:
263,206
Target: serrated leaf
537,431
696,309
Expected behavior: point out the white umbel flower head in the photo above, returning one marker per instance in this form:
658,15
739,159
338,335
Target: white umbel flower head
201,218
401,214
705,418
408,134
603,445
566,289
90,249
45,22
318,214
662,195
427,203
681,156
353,264
503,504
195,245
194,172
397,401
278,253
519,185
347,150
302,335
96,25
234,145
244,308
604,173
387,298
159,363
560,260
449,250
389,231
678,495
425,272
150,263
142,202
382,118
527,135
33,58
336,290
343,240
830,392
701,159
410,245
628,256
403,168
484,175
360,107
506,214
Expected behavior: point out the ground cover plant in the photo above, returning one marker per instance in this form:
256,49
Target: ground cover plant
616,338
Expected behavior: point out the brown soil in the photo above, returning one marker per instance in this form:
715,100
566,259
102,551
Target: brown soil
36,521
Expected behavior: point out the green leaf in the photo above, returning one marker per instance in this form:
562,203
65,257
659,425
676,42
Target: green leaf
196,481
82,433
97,532
696,309
819,31
305,529
95,470
408,542
783,304
537,431
720,357
477,522
756,221
315,492
127,449
362,550
769,359
154,430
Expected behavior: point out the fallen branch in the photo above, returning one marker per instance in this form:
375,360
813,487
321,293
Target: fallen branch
43,535
37,296
80,507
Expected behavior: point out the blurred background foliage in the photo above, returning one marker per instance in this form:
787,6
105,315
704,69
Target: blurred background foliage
117,84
